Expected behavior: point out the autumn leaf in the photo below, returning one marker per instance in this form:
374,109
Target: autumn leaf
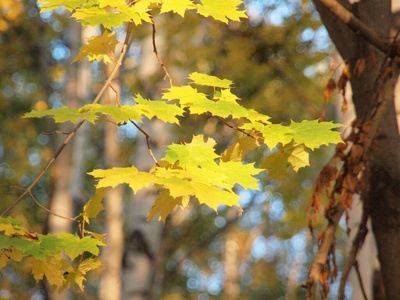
329,89
62,114
74,245
221,10
314,134
177,6
208,80
359,67
237,151
94,206
99,48
277,163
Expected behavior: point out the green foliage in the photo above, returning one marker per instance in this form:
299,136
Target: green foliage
43,253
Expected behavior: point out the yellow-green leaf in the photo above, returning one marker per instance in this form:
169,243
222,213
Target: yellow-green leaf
221,10
177,6
99,48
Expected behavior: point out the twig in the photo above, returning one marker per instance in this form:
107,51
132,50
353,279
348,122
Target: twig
357,26
49,211
355,247
158,57
376,115
55,132
360,280
147,141
117,95
239,129
79,123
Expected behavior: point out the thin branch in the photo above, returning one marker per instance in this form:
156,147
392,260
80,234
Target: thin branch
56,132
238,129
381,99
355,247
147,141
158,57
79,123
360,280
49,211
357,26
117,95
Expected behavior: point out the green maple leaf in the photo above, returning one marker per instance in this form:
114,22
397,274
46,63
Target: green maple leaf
159,109
75,246
196,153
94,15
272,133
221,10
208,80
137,13
119,114
60,115
115,176
177,6
278,162
98,48
69,5
238,173
189,97
254,116
45,245
314,134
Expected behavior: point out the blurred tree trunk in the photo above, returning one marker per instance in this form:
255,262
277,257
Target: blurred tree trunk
68,172
383,184
143,238
232,261
110,287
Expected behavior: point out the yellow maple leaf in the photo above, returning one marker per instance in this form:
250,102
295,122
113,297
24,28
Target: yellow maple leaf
52,268
99,48
177,6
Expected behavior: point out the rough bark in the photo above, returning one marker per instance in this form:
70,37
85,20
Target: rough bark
384,160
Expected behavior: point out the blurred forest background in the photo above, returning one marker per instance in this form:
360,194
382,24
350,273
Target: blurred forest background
279,59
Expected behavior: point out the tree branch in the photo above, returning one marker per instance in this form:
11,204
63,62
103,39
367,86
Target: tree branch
355,247
375,115
357,26
156,53
78,124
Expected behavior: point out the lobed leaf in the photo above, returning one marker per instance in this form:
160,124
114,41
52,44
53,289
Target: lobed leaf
221,10
99,48
62,114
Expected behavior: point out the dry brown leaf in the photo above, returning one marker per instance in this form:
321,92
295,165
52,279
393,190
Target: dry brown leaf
329,89
346,71
375,58
349,183
356,153
366,127
344,104
359,67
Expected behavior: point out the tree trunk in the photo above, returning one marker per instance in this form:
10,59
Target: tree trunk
110,288
383,187
68,172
